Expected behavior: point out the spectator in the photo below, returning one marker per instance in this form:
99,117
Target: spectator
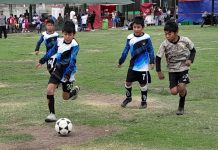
60,21
92,20
3,25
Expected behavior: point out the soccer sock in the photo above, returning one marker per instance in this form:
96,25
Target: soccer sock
128,91
144,92
182,100
51,103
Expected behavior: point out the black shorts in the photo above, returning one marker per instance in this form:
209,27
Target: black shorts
142,77
178,77
66,86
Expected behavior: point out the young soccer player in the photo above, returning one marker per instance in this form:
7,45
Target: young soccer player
65,51
142,59
180,53
50,38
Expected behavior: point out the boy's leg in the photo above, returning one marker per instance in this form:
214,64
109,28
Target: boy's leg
144,91
182,93
51,102
144,78
128,99
1,29
178,83
69,91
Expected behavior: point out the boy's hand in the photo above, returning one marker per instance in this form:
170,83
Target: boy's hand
151,66
38,65
66,78
36,52
160,75
119,66
188,62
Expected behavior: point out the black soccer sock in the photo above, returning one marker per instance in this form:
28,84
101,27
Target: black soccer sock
144,96
182,100
128,91
144,92
51,103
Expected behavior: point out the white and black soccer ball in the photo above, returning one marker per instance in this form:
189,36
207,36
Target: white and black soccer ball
63,126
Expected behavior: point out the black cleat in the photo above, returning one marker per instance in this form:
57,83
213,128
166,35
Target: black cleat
180,111
76,89
126,101
143,105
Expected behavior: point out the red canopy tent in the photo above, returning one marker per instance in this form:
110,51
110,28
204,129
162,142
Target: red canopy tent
99,9
145,8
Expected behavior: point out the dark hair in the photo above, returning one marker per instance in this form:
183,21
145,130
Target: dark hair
50,21
171,26
69,27
139,20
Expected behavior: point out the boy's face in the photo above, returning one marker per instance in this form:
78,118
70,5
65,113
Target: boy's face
138,29
68,37
49,27
171,36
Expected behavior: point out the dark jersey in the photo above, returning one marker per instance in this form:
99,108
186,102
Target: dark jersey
48,39
64,54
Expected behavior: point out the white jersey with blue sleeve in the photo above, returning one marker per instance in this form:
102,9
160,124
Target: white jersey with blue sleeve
65,57
141,50
48,39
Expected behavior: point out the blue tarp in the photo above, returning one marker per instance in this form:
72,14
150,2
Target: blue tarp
192,10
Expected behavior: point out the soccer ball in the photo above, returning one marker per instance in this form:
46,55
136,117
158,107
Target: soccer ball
63,126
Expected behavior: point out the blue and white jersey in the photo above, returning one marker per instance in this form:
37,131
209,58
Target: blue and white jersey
48,39
141,50
65,56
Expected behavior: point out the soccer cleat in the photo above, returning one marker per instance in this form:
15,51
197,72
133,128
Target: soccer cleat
143,105
126,101
76,90
180,111
51,118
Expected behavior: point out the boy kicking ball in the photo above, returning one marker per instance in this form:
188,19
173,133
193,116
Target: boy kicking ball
65,51
180,53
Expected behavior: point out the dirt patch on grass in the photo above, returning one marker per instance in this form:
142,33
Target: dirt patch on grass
3,85
45,137
102,100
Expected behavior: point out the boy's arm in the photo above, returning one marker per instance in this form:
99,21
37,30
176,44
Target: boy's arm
190,46
192,55
159,55
50,53
150,51
124,54
39,43
71,68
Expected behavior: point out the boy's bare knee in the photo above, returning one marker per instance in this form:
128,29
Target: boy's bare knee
174,91
50,92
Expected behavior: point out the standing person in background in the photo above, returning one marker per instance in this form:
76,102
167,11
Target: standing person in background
3,25
92,20
114,14
20,21
60,21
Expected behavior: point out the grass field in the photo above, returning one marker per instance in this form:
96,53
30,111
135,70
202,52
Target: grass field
23,89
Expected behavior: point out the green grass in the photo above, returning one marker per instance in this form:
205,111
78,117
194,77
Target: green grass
23,89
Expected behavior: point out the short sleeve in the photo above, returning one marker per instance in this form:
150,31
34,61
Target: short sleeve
161,50
190,44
